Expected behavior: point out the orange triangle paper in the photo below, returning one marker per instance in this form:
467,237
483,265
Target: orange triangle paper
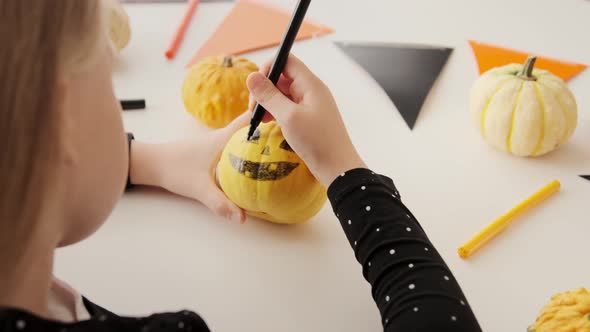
489,56
251,26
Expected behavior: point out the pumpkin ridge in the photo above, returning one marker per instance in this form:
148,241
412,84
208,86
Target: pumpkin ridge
542,104
319,196
516,103
487,105
561,107
234,86
313,201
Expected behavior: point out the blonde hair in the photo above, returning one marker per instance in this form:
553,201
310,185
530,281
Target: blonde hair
40,40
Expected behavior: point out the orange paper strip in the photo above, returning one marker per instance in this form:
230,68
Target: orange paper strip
489,56
179,34
251,26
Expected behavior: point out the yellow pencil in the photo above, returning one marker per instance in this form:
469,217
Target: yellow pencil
496,227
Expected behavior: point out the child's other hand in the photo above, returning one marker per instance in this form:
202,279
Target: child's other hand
187,168
307,113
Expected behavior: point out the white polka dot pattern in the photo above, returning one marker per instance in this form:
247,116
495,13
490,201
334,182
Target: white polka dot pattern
20,324
392,241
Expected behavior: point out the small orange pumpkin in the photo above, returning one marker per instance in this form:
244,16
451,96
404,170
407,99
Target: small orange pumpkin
214,90
267,179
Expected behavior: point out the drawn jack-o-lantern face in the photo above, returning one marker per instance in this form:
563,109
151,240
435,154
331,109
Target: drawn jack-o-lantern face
264,170
265,177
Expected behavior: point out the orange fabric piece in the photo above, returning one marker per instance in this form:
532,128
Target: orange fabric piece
489,56
251,26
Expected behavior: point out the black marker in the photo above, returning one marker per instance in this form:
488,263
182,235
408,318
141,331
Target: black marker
281,59
137,104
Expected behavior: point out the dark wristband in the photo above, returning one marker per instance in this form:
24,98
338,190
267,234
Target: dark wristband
130,138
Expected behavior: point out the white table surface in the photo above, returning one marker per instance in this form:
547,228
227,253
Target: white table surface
158,252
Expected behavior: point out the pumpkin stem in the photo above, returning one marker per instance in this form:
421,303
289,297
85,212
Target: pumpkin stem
227,62
527,69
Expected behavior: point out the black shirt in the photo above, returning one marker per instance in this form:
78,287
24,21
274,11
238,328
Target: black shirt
413,288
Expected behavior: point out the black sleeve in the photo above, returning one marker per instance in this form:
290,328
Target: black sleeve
102,320
411,284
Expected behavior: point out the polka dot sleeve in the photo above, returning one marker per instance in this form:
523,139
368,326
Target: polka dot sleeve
413,288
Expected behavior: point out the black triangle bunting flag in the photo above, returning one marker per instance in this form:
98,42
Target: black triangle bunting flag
587,177
405,72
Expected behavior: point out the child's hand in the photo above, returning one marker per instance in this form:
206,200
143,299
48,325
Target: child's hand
187,168
307,113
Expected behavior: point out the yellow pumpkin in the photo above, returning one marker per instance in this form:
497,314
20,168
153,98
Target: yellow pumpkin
119,27
522,110
267,179
215,91
565,312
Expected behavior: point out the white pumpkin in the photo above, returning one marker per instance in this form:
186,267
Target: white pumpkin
524,111
119,27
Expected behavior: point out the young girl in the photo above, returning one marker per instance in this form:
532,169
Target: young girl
65,160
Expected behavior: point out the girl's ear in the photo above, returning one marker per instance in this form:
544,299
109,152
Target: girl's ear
65,108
